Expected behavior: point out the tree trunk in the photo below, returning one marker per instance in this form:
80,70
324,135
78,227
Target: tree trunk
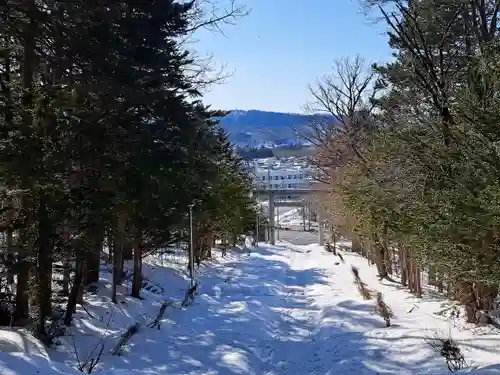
418,281
75,289
81,289
137,279
10,255
467,298
10,245
451,287
380,257
368,250
96,238
198,244
402,266
440,280
198,250
385,246
487,294
118,253
411,275
45,261
356,245
111,246
21,312
27,73
210,243
486,297
432,276
66,275
388,260
128,248
371,252
8,112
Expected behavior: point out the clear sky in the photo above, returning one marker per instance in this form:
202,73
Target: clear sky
283,46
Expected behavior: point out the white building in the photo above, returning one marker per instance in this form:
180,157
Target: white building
282,174
282,179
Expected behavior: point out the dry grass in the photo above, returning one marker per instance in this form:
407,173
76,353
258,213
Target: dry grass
383,309
449,350
362,288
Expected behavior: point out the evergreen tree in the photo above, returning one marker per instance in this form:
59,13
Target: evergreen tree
104,145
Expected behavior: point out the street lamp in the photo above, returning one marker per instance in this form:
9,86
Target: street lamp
257,222
191,245
269,164
278,222
257,228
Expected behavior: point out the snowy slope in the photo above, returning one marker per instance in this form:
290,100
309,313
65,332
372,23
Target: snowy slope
287,216
292,217
280,310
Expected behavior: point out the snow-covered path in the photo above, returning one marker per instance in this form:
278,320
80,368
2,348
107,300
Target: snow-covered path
284,309
295,310
253,316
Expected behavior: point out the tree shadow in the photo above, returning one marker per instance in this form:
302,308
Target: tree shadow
253,315
261,321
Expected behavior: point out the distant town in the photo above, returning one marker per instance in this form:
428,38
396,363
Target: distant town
285,173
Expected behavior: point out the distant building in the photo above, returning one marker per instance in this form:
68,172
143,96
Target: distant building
282,174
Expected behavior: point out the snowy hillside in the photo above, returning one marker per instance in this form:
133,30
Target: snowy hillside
278,310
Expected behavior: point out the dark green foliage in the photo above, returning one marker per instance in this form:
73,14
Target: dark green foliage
104,140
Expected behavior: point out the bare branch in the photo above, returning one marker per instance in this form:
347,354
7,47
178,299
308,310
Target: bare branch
345,92
346,96
204,73
211,16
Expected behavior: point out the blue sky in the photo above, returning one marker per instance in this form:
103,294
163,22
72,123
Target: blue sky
283,46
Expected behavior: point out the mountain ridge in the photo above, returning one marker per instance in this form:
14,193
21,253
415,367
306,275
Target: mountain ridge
258,128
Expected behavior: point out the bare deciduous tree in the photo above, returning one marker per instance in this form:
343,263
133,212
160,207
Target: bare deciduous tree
210,16
347,97
346,91
343,101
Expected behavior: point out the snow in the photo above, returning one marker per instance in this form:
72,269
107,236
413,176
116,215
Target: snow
281,309
290,217
20,341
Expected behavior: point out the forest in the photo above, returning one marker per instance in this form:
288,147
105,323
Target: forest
413,172
105,144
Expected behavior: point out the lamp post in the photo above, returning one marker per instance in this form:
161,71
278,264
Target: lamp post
257,228
278,222
257,220
191,244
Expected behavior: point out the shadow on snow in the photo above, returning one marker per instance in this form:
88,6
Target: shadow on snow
257,319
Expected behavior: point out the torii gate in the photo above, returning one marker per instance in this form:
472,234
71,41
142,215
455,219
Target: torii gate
271,194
